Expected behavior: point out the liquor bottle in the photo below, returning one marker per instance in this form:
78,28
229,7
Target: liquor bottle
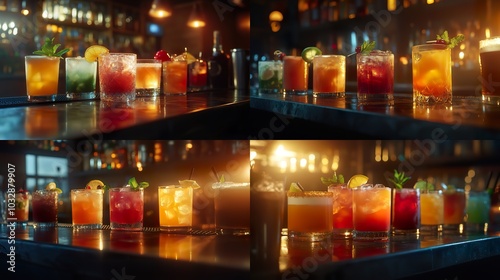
218,65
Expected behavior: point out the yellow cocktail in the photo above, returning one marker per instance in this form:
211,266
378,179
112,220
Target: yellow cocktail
175,77
431,210
86,208
42,76
431,73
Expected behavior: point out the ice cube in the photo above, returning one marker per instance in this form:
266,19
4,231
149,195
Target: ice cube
184,209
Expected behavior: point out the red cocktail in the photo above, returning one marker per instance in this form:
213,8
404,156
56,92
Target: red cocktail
406,211
126,208
342,210
44,204
375,72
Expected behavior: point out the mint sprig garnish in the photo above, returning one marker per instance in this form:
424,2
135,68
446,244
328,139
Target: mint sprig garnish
366,47
399,179
333,180
49,49
134,185
451,43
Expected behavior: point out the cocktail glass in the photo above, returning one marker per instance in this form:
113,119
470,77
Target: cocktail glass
117,72
406,211
197,75
454,210
375,74
371,212
267,205
87,208
21,210
42,77
126,208
477,211
176,208
295,75
44,203
329,75
431,74
148,78
489,52
431,212
342,210
310,215
270,76
232,208
174,77
80,78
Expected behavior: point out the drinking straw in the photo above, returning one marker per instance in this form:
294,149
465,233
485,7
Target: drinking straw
490,174
300,186
191,174
215,173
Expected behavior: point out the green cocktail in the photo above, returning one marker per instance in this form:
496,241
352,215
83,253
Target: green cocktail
80,78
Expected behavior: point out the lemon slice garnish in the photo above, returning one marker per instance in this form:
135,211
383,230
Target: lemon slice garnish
95,185
52,187
189,183
93,52
357,180
309,53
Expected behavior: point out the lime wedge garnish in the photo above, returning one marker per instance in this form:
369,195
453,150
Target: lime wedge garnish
357,180
52,187
189,183
309,53
294,187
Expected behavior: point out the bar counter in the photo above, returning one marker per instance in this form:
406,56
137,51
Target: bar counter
197,115
61,253
308,117
427,257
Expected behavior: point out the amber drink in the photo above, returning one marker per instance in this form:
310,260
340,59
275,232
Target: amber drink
232,208
148,78
310,215
42,76
295,75
489,53
329,75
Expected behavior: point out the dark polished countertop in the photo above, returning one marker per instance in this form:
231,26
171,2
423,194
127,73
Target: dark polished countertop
61,253
426,257
327,118
197,115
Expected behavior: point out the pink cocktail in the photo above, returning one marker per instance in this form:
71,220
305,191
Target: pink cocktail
117,76
375,71
406,211
126,208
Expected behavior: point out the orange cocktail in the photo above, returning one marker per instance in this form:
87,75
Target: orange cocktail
175,77
148,77
310,214
21,211
176,207
431,73
431,211
295,75
371,212
42,76
329,75
86,208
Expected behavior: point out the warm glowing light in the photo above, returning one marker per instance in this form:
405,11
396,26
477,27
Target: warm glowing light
25,12
311,168
283,166
471,173
461,55
391,5
196,23
430,2
303,162
487,33
275,16
385,155
293,164
139,166
189,146
253,155
468,180
324,161
403,60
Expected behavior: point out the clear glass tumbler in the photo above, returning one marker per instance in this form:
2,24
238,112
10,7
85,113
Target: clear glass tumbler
117,75
329,75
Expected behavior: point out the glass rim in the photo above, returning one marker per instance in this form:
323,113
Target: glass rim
430,47
148,60
128,189
305,194
173,187
42,57
87,190
329,55
378,53
117,53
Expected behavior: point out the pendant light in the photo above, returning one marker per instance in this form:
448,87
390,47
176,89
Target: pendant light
196,19
160,9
